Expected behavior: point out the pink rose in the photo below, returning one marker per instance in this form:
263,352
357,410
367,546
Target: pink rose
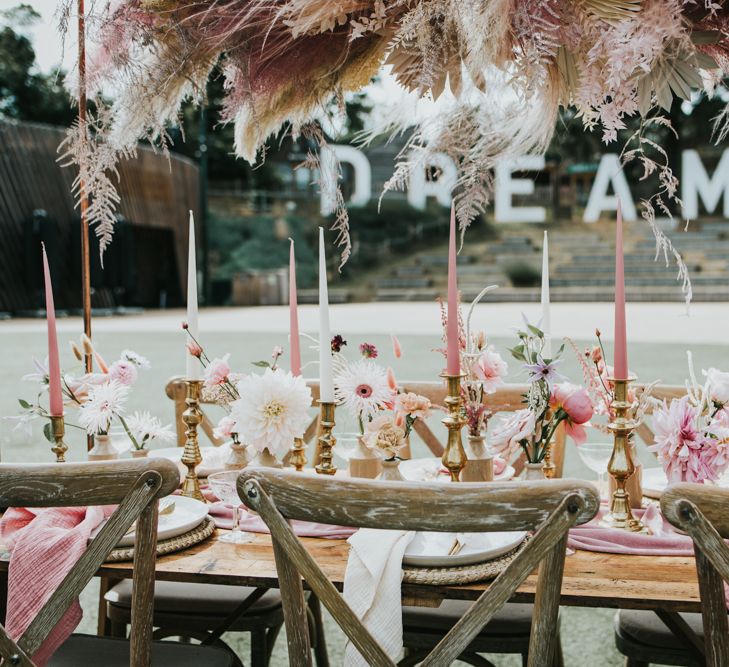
517,426
124,372
217,372
574,400
490,369
413,404
225,428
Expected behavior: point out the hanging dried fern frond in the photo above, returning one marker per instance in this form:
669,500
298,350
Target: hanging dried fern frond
611,11
86,148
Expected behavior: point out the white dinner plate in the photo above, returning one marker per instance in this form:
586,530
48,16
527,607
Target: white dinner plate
431,549
187,514
431,470
213,458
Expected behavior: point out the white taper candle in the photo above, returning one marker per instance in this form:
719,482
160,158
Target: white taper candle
192,366
546,314
326,379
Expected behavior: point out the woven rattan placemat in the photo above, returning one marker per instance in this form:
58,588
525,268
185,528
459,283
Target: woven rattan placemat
188,539
464,574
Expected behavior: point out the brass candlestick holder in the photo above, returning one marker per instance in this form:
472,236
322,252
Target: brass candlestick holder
621,465
298,454
58,430
191,457
326,439
454,456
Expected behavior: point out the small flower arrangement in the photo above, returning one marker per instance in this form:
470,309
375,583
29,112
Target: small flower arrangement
550,401
483,367
369,393
692,432
272,410
100,397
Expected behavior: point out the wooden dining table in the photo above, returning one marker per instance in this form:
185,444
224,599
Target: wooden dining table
591,579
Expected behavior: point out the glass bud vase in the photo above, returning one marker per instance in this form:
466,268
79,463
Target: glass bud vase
391,471
534,471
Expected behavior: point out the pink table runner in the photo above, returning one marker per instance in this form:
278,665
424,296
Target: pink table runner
222,514
663,540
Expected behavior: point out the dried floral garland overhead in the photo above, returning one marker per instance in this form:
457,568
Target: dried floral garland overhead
284,60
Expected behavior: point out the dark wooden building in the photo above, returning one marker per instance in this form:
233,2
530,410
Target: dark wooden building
146,261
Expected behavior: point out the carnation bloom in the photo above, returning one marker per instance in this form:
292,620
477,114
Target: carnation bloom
225,428
686,453
217,372
145,428
513,428
273,410
385,436
368,350
413,404
105,401
362,389
124,372
490,369
575,402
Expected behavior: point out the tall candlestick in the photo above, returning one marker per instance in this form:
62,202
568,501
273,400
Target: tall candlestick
453,363
326,379
621,343
294,316
192,363
546,314
54,365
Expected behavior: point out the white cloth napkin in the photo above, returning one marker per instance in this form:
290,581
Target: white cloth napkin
372,586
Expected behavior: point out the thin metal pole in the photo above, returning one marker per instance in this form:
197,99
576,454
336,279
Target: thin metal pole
84,201
203,185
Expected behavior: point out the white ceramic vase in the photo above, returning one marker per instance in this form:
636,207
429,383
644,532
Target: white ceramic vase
103,449
391,471
480,464
534,471
363,462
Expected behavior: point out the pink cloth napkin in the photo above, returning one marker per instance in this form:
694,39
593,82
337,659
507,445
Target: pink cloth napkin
663,540
44,546
222,514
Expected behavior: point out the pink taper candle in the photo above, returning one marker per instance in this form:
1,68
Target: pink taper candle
294,316
621,343
54,364
453,363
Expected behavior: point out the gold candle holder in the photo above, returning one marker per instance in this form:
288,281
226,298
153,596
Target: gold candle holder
621,465
191,457
58,430
326,439
298,454
454,456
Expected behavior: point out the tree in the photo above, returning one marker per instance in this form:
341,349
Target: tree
25,92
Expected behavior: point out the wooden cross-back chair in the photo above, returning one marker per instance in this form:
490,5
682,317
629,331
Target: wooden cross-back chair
507,398
549,508
135,486
703,512
690,639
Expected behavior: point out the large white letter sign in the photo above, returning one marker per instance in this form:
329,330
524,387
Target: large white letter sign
420,188
610,172
695,183
505,187
329,158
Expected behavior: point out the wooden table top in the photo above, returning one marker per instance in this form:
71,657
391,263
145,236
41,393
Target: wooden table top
590,579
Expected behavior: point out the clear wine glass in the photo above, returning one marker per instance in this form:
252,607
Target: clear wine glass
223,485
596,456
